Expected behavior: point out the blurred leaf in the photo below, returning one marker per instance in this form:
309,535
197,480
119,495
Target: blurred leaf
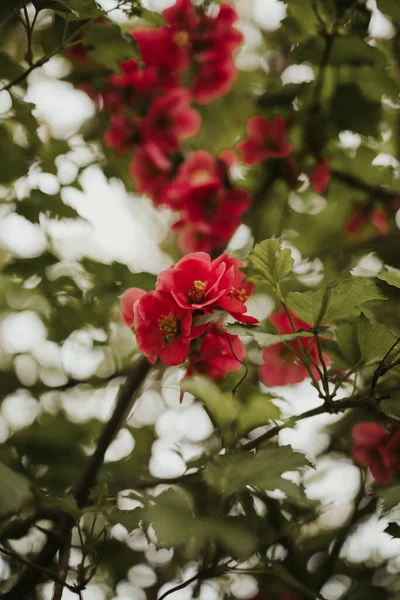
235,471
269,262
285,94
7,7
352,110
175,523
108,46
16,164
346,50
391,8
23,268
340,302
66,504
58,5
374,339
50,205
83,9
9,68
15,491
391,276
393,529
258,410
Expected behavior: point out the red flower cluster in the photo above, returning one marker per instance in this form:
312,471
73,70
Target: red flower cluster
378,449
151,114
166,320
281,362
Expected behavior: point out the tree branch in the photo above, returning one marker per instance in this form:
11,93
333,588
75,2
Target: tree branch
81,490
356,182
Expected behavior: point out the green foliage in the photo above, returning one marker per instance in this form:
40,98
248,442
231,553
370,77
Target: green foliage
375,340
235,471
391,276
108,46
264,339
269,262
15,491
390,496
389,8
175,523
342,301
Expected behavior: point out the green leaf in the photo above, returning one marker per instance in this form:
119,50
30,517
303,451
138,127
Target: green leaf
263,338
175,523
393,529
375,340
349,50
9,68
15,491
66,504
16,164
83,9
258,409
391,276
352,110
390,496
269,262
39,203
108,46
235,471
391,8
337,303
223,407
56,5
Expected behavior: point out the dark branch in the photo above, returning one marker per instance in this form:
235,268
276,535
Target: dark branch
83,487
369,188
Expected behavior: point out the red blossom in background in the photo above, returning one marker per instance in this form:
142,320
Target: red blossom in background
360,217
378,449
220,353
266,139
281,364
320,176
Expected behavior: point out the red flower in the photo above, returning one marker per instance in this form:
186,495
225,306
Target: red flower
320,176
281,365
380,220
266,139
121,134
181,16
163,329
220,353
213,79
378,449
169,120
151,173
163,47
356,221
128,300
196,282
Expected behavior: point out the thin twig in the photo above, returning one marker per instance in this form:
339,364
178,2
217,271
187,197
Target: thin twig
181,586
63,566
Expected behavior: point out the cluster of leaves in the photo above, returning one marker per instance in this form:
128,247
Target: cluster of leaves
224,514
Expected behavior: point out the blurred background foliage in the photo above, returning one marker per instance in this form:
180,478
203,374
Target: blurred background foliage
66,256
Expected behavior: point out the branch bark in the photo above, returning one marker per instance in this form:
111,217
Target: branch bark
82,489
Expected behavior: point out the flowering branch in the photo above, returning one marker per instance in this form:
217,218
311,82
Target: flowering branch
356,182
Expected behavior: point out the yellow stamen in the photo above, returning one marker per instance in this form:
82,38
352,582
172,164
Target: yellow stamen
196,292
168,324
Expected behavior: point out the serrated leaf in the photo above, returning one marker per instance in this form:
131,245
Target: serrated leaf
15,491
83,9
57,5
340,302
66,504
391,276
269,262
108,46
375,340
390,496
235,471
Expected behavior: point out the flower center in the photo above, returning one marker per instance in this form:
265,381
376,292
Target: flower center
168,324
197,291
286,355
181,38
239,293
200,176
